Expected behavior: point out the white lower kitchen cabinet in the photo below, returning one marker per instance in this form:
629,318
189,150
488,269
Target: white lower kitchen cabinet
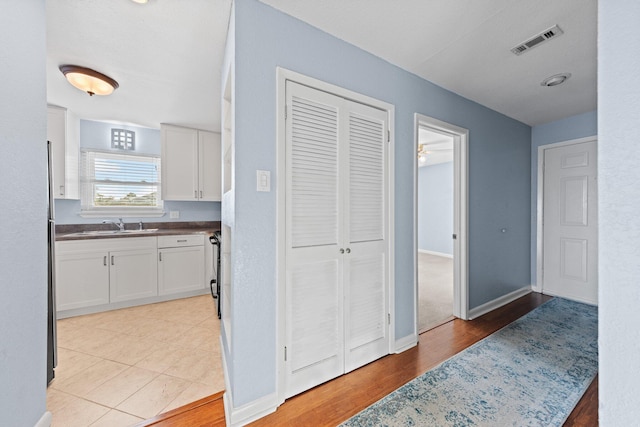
180,264
105,271
82,279
133,274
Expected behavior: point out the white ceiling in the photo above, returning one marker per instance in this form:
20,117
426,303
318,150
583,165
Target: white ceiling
167,55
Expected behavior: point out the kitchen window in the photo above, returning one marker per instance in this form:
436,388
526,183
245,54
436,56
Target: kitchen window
120,184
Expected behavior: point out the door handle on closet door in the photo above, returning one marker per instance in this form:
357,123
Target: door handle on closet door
112,260
341,250
104,261
348,250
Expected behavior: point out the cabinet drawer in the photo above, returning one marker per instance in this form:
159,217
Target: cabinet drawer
181,240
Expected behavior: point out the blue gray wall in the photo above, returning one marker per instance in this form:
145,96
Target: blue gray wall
499,181
23,175
435,208
619,210
97,135
574,127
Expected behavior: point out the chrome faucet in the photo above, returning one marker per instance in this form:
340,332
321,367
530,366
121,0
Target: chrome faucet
119,224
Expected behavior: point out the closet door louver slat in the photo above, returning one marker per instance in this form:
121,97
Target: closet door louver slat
314,171
366,180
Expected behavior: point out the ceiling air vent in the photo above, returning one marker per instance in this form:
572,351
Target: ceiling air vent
538,39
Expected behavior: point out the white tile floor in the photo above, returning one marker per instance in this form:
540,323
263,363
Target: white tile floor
120,367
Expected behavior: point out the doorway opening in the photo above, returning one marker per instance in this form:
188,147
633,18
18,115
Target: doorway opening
435,228
440,200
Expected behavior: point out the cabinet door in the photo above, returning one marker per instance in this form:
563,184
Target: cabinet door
133,274
209,166
56,135
180,269
63,132
179,163
82,280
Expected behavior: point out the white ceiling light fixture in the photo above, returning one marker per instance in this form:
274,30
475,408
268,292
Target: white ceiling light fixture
88,80
555,80
140,1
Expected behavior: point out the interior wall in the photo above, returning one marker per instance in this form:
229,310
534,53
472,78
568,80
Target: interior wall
574,127
499,152
23,174
619,210
97,135
435,208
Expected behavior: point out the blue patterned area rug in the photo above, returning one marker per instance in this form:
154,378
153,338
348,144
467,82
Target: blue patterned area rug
532,372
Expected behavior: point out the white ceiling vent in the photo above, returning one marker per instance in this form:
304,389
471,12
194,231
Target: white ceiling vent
538,39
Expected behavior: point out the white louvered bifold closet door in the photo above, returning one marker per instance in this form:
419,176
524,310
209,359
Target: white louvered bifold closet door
314,299
336,204
366,331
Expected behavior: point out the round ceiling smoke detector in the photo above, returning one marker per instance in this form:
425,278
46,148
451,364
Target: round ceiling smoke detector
555,80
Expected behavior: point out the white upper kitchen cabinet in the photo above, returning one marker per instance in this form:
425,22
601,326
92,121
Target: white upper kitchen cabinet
63,131
190,164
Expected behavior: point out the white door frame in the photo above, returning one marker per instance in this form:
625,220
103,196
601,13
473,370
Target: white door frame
538,287
460,211
282,75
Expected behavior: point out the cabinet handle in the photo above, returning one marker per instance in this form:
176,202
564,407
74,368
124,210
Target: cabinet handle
104,260
62,190
181,240
348,250
195,194
201,194
112,260
341,250
160,256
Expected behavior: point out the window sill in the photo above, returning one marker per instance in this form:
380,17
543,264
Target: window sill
122,213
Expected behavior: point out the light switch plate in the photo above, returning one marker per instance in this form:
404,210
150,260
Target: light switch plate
263,180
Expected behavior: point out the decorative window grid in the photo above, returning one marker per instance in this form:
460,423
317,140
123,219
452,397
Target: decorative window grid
123,139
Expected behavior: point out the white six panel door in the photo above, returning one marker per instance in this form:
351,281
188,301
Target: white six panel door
336,284
570,232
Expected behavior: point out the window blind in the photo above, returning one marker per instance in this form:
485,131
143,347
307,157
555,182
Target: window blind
120,180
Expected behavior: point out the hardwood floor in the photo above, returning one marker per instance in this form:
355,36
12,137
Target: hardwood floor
335,401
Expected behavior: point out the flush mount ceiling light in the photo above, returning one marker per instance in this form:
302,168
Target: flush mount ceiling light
88,80
140,1
555,80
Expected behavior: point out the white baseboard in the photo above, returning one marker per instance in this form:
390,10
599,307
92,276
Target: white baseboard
442,254
249,412
45,420
252,411
498,302
406,343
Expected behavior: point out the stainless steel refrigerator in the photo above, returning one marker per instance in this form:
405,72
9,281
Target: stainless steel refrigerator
52,353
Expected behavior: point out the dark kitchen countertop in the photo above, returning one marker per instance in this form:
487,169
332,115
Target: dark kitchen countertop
77,231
